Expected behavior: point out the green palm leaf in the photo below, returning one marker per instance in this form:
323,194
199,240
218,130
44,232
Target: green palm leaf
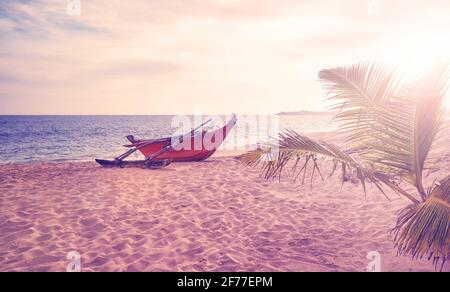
391,127
302,154
395,122
423,229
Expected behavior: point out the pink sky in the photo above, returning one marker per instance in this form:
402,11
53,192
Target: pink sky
176,56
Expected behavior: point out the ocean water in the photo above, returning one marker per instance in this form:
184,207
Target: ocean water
84,138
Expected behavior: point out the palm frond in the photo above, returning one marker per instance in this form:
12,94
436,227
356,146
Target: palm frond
373,112
428,120
394,122
301,155
391,126
423,229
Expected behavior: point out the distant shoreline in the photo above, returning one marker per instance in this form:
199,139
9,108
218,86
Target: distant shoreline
306,113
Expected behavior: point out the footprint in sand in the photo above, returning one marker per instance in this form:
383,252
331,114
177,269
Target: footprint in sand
146,225
88,221
98,261
301,242
44,237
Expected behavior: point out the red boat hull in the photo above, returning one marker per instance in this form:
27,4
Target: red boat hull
197,148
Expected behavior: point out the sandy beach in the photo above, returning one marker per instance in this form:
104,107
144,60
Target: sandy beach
167,93
216,215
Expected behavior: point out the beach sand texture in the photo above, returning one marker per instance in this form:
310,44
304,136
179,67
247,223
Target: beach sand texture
216,215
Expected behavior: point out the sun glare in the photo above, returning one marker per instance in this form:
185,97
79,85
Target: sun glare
414,52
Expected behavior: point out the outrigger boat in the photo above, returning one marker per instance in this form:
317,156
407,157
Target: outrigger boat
193,146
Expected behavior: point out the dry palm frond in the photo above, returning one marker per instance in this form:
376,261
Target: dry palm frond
423,229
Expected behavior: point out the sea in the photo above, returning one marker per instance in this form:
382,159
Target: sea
84,138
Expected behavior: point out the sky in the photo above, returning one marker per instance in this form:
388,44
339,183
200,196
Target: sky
210,56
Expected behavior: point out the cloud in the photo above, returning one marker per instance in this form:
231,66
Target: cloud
172,56
139,67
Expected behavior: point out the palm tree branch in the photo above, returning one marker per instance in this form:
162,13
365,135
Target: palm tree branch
376,109
425,228
293,148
